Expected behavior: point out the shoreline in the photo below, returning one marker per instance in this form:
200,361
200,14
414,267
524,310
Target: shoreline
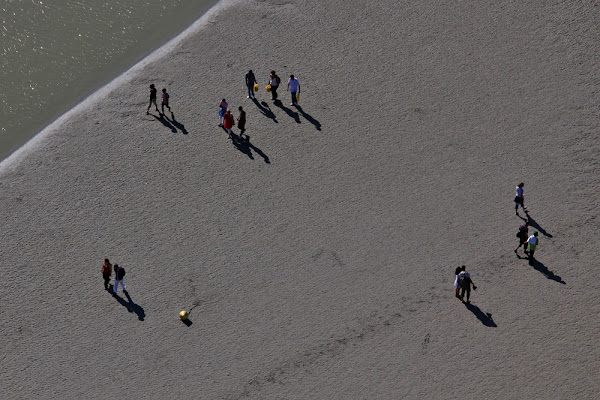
317,249
104,89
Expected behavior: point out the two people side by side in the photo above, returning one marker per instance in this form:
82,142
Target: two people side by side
464,282
107,269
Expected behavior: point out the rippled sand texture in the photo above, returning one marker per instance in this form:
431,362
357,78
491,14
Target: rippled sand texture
54,53
317,258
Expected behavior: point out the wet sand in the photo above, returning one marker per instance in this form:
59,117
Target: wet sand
317,255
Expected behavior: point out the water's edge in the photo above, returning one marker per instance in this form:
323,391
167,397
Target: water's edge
29,143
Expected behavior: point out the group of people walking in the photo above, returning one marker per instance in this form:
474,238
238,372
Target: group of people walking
462,280
107,269
226,117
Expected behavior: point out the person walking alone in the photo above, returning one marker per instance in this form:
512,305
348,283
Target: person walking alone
250,82
520,199
165,100
152,99
119,275
294,88
274,81
523,234
465,282
456,272
106,272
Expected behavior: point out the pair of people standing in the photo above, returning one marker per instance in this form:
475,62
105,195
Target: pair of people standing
293,86
119,275
463,283
164,100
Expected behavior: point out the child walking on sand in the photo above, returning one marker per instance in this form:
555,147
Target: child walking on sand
222,110
165,100
106,272
520,199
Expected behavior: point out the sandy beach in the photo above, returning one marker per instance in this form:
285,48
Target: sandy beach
317,255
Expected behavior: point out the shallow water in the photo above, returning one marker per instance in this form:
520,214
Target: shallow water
56,52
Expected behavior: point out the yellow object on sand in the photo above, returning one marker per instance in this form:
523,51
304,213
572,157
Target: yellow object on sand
184,315
256,87
268,88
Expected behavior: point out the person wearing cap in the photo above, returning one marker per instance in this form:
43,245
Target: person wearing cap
532,242
152,99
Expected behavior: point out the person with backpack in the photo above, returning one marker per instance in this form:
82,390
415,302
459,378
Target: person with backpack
106,272
533,241
465,282
119,275
456,272
274,81
523,234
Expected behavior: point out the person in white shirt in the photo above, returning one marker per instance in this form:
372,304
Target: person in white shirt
520,199
532,242
294,88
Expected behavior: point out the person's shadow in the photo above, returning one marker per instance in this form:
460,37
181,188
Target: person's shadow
265,110
537,226
538,266
129,304
165,122
485,318
178,124
244,146
309,118
288,111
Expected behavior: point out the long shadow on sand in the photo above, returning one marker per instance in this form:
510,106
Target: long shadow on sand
129,304
538,266
533,223
309,118
178,124
244,146
485,318
265,110
288,111
161,118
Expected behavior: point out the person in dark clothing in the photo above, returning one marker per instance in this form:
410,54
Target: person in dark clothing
456,272
242,120
523,235
119,275
165,100
465,282
106,272
274,81
250,82
152,99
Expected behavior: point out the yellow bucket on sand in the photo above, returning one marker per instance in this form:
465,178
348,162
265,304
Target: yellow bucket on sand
184,315
268,88
298,96
256,87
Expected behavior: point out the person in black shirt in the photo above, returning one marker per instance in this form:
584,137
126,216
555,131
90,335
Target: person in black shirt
152,99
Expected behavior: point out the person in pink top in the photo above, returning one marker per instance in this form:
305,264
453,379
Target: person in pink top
222,110
165,100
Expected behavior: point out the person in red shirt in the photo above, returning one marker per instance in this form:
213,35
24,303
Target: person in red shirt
228,122
106,272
